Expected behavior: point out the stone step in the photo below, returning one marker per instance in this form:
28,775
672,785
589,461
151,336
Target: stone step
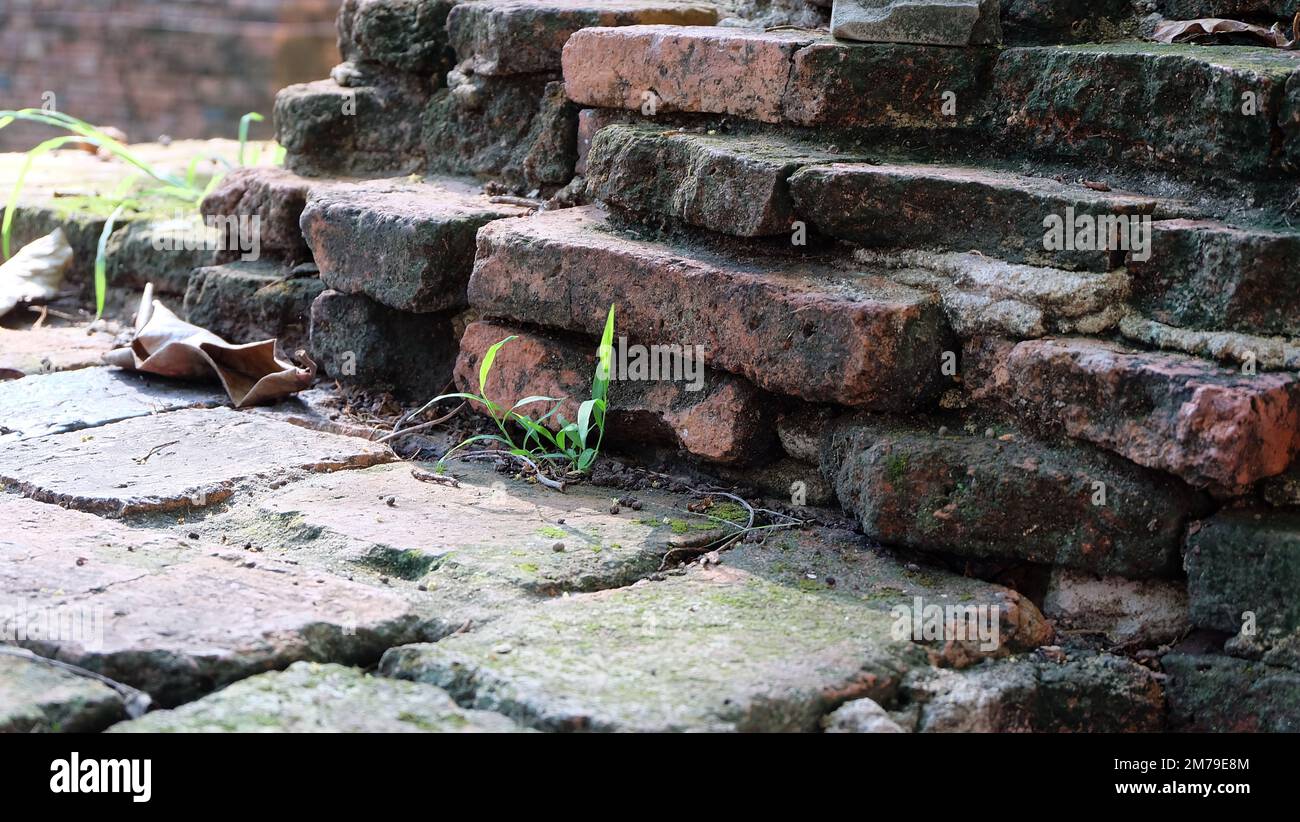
766,641
1205,112
310,697
788,326
713,416
794,77
177,617
189,458
1215,427
511,37
357,341
517,129
407,245
1009,497
1243,575
248,302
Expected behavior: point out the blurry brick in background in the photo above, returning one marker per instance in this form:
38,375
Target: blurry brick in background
185,68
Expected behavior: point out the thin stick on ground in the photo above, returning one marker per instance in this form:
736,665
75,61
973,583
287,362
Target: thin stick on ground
424,426
506,455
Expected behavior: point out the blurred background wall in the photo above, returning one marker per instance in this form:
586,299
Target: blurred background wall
184,68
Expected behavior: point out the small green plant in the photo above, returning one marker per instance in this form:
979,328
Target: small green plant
574,444
151,185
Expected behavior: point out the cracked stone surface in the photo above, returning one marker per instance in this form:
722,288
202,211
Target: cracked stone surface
189,458
314,698
65,401
702,651
473,552
177,617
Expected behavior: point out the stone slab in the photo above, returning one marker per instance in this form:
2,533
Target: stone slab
65,401
310,697
183,459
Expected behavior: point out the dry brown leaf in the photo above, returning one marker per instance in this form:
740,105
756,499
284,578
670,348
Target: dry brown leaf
1216,29
166,345
35,273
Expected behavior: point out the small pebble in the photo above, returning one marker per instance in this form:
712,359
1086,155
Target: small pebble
613,509
990,433
558,547
391,501
194,534
503,648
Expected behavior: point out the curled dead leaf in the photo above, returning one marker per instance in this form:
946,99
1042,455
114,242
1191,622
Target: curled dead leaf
35,273
1219,30
168,346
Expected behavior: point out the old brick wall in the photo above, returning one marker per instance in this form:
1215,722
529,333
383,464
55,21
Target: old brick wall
186,68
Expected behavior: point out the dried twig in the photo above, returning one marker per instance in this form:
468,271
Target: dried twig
438,479
422,426
541,477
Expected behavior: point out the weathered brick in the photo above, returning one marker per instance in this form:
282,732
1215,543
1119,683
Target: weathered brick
250,302
682,68
1209,275
790,327
1246,560
520,130
409,246
273,195
773,77
948,23
725,419
995,212
734,185
514,37
1174,106
1220,694
1209,425
982,497
326,128
357,341
402,35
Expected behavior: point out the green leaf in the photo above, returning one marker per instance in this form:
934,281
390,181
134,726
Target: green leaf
6,230
101,261
604,358
584,420
250,117
533,399
486,367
